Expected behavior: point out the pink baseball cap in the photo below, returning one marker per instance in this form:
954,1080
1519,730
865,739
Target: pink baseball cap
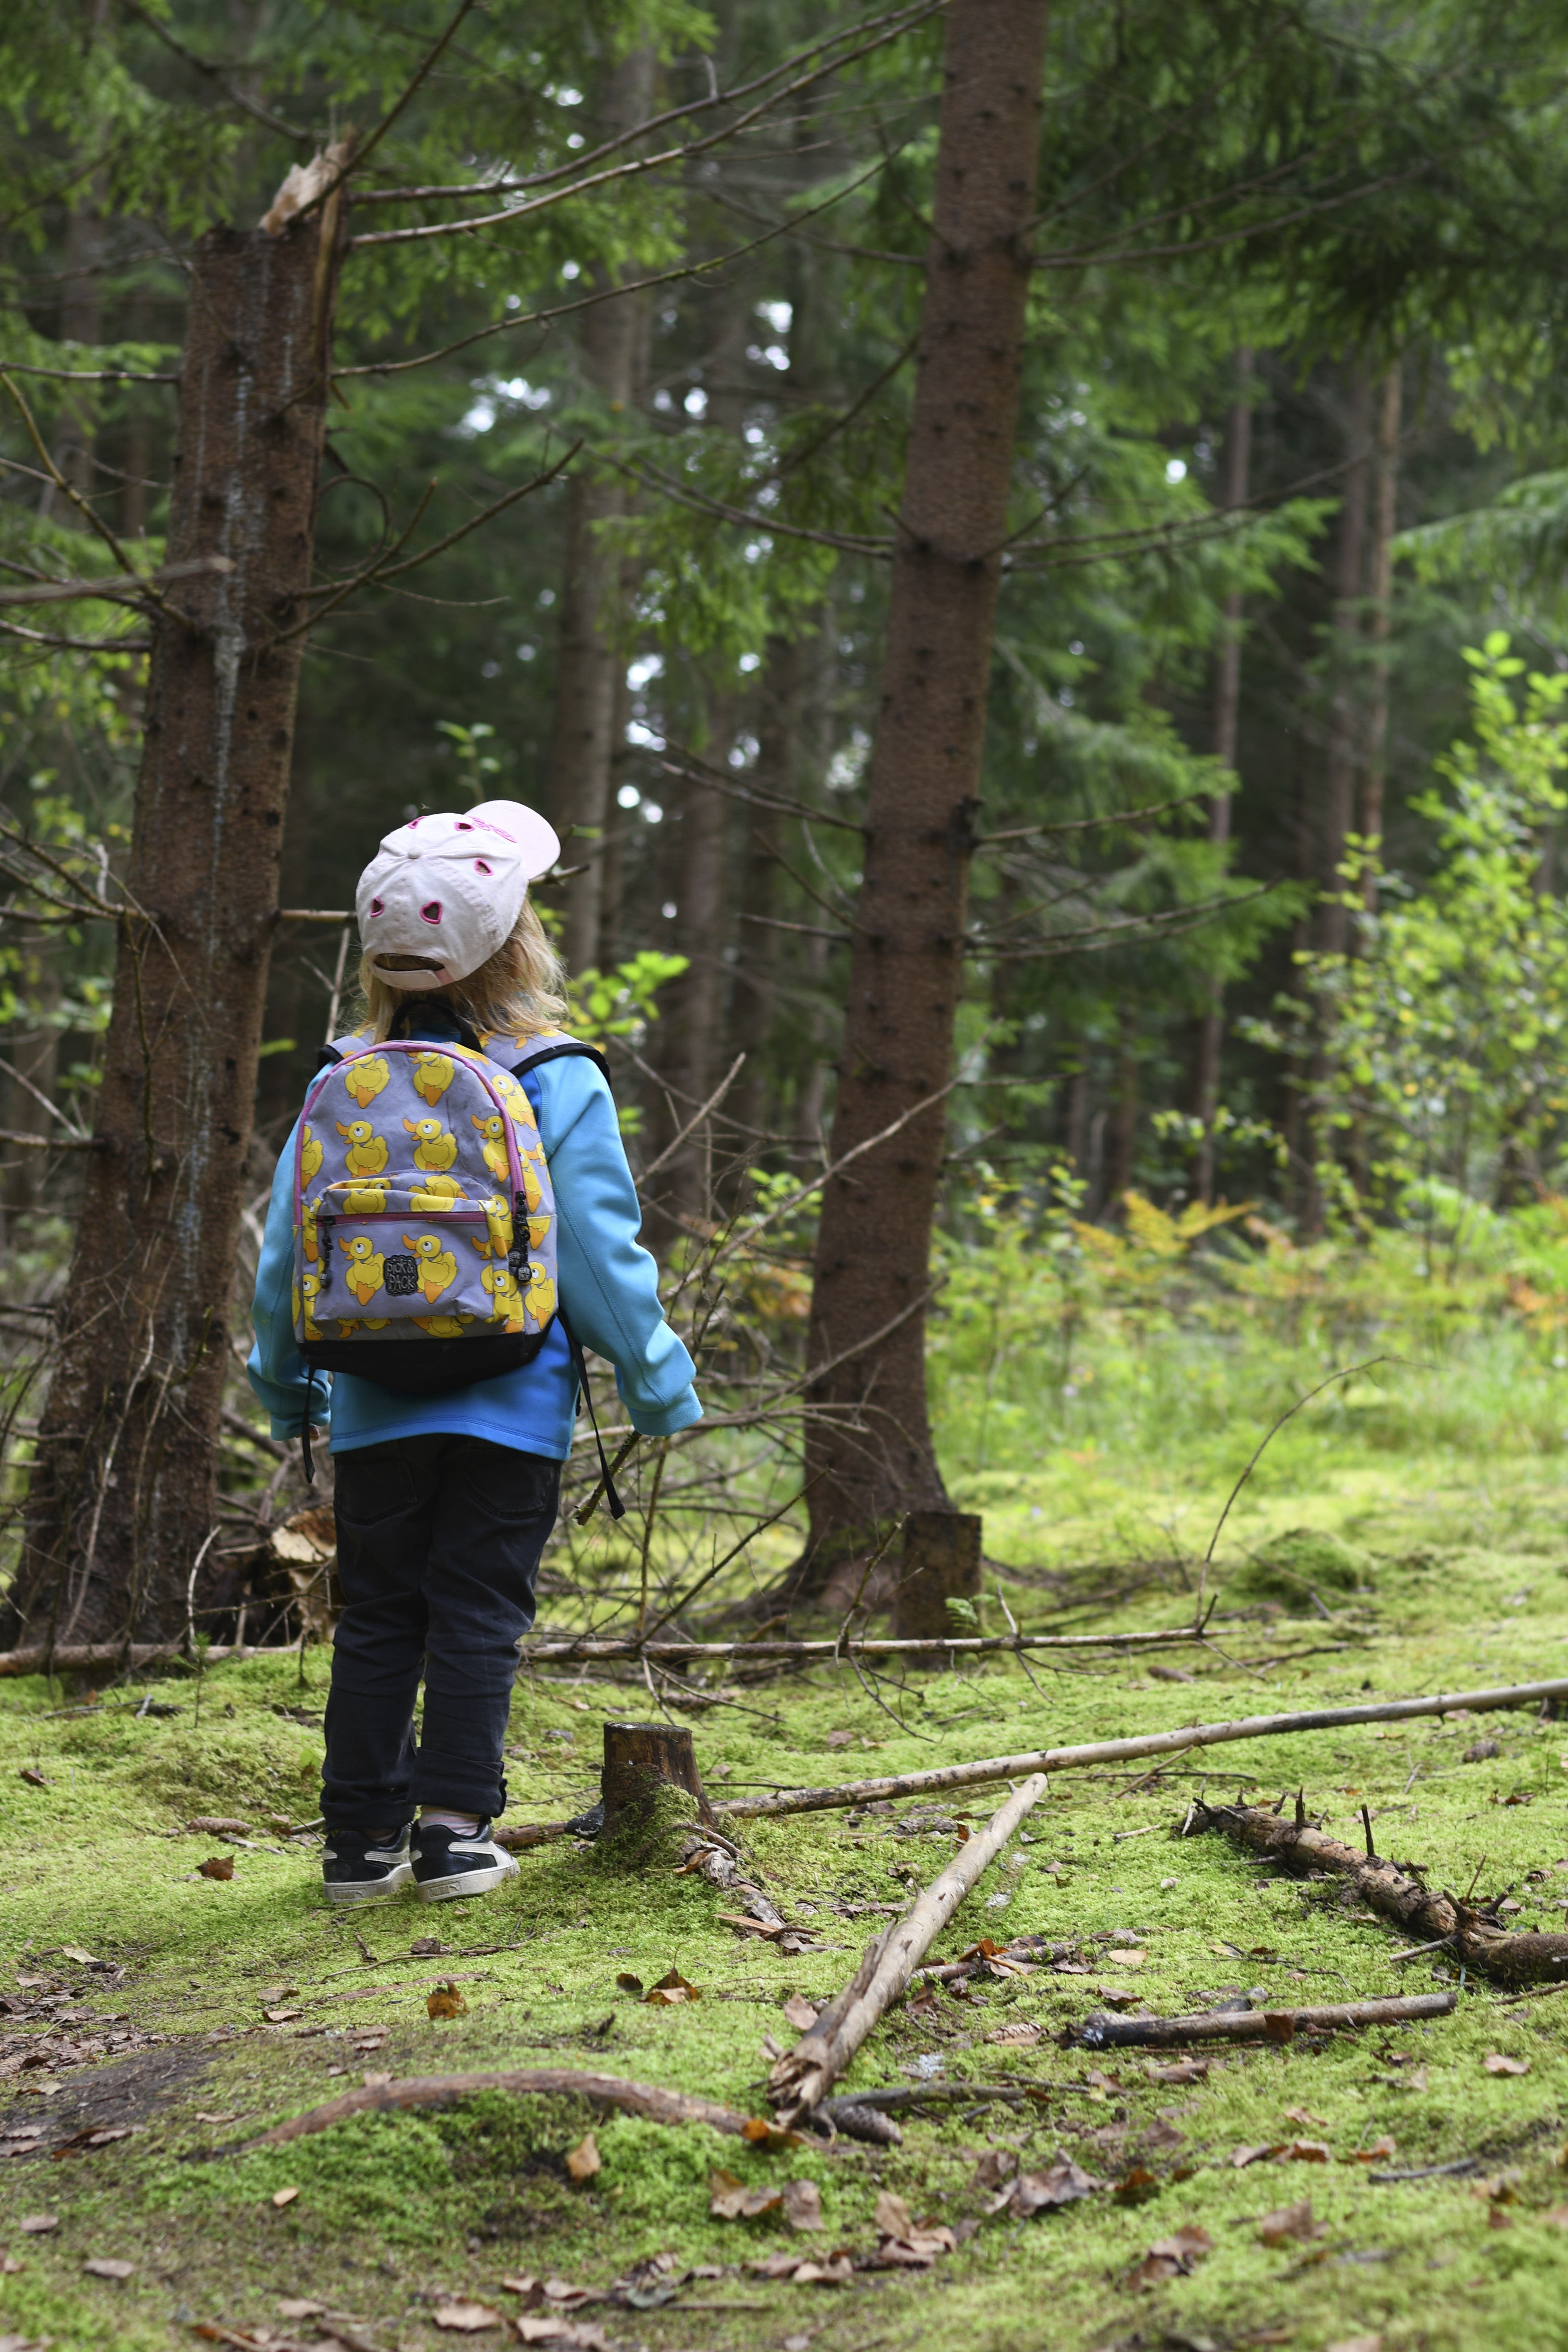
449,888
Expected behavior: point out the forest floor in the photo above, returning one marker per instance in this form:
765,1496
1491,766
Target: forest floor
190,2013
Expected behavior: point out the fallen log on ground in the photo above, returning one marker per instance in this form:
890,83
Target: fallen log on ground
1431,1921
801,2079
83,1657
1100,2032
1117,1751
649,2099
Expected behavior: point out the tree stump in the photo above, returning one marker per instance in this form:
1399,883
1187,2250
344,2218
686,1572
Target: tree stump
641,1758
942,1562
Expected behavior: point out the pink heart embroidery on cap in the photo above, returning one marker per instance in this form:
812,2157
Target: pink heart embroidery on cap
432,913
479,865
376,907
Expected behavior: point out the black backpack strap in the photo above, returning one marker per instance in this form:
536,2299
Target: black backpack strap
564,1051
579,1364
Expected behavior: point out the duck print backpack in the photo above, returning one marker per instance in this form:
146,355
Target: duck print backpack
424,1218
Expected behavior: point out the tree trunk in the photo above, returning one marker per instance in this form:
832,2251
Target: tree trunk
1380,587
1344,734
641,1758
1226,710
942,1562
591,658
123,1497
870,1449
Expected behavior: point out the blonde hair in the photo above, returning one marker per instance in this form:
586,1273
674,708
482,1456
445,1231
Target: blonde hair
518,992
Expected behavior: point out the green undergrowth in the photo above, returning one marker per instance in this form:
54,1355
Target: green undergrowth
1426,1570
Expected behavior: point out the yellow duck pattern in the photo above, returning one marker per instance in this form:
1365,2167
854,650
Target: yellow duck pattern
437,1266
431,1076
364,1079
366,1154
437,1192
444,1327
532,1190
366,1267
370,1323
304,1310
435,1149
361,1200
310,1151
492,1142
540,1297
506,1306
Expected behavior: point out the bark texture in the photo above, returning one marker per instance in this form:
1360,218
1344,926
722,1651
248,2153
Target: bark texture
641,1758
1098,2032
649,2099
869,1451
1227,714
940,1563
1421,1914
589,660
122,1495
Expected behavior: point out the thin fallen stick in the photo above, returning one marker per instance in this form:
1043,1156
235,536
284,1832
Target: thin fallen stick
568,1646
803,2076
1100,2031
1116,1751
1397,1896
651,2099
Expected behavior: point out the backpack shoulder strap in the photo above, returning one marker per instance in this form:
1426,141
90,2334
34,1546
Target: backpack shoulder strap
556,1047
338,1049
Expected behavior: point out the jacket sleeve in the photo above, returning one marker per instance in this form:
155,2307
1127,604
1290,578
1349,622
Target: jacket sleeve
275,1366
609,1282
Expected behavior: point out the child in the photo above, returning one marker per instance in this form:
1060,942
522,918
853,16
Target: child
444,1502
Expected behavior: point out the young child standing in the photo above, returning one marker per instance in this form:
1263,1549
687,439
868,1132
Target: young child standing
443,1501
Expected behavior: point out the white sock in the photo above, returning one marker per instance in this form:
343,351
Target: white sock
437,1817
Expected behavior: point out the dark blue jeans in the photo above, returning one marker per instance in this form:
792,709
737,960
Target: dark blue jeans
439,1544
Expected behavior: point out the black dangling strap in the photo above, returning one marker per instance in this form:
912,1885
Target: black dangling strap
305,1425
616,1507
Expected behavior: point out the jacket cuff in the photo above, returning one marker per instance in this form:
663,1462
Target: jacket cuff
666,1419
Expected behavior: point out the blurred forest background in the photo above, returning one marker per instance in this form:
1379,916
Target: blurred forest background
1258,1047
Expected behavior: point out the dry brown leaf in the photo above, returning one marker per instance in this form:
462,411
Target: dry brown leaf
37,2225
1131,1960
1303,2115
108,2267
281,2197
626,1982
1020,2033
1240,2157
762,2130
840,2272
1291,2223
217,1825
803,2205
1497,2064
467,2318
585,2160
1171,2257
672,1989
1185,2070
9,2266
35,1780
799,2012
425,1948
1357,2343
1500,2188
729,2200
996,2164
216,1865
1305,2151
75,1952
1382,2148
446,2001
298,2306
893,2217
1062,2183
839,1739
282,2016
1557,2215
571,2336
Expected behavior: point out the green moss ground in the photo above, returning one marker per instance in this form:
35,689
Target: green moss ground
1471,1570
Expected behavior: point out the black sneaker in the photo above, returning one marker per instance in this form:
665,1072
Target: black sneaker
359,1868
448,1863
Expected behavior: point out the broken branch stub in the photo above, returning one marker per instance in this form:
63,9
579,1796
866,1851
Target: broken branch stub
651,2099
803,2076
650,1784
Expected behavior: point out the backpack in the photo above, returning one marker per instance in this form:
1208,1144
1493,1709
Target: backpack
424,1216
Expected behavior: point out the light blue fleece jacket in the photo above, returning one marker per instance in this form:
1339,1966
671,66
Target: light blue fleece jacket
607,1282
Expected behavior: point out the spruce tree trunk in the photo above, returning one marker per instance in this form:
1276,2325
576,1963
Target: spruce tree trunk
123,1500
590,657
1380,589
1226,712
869,1450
